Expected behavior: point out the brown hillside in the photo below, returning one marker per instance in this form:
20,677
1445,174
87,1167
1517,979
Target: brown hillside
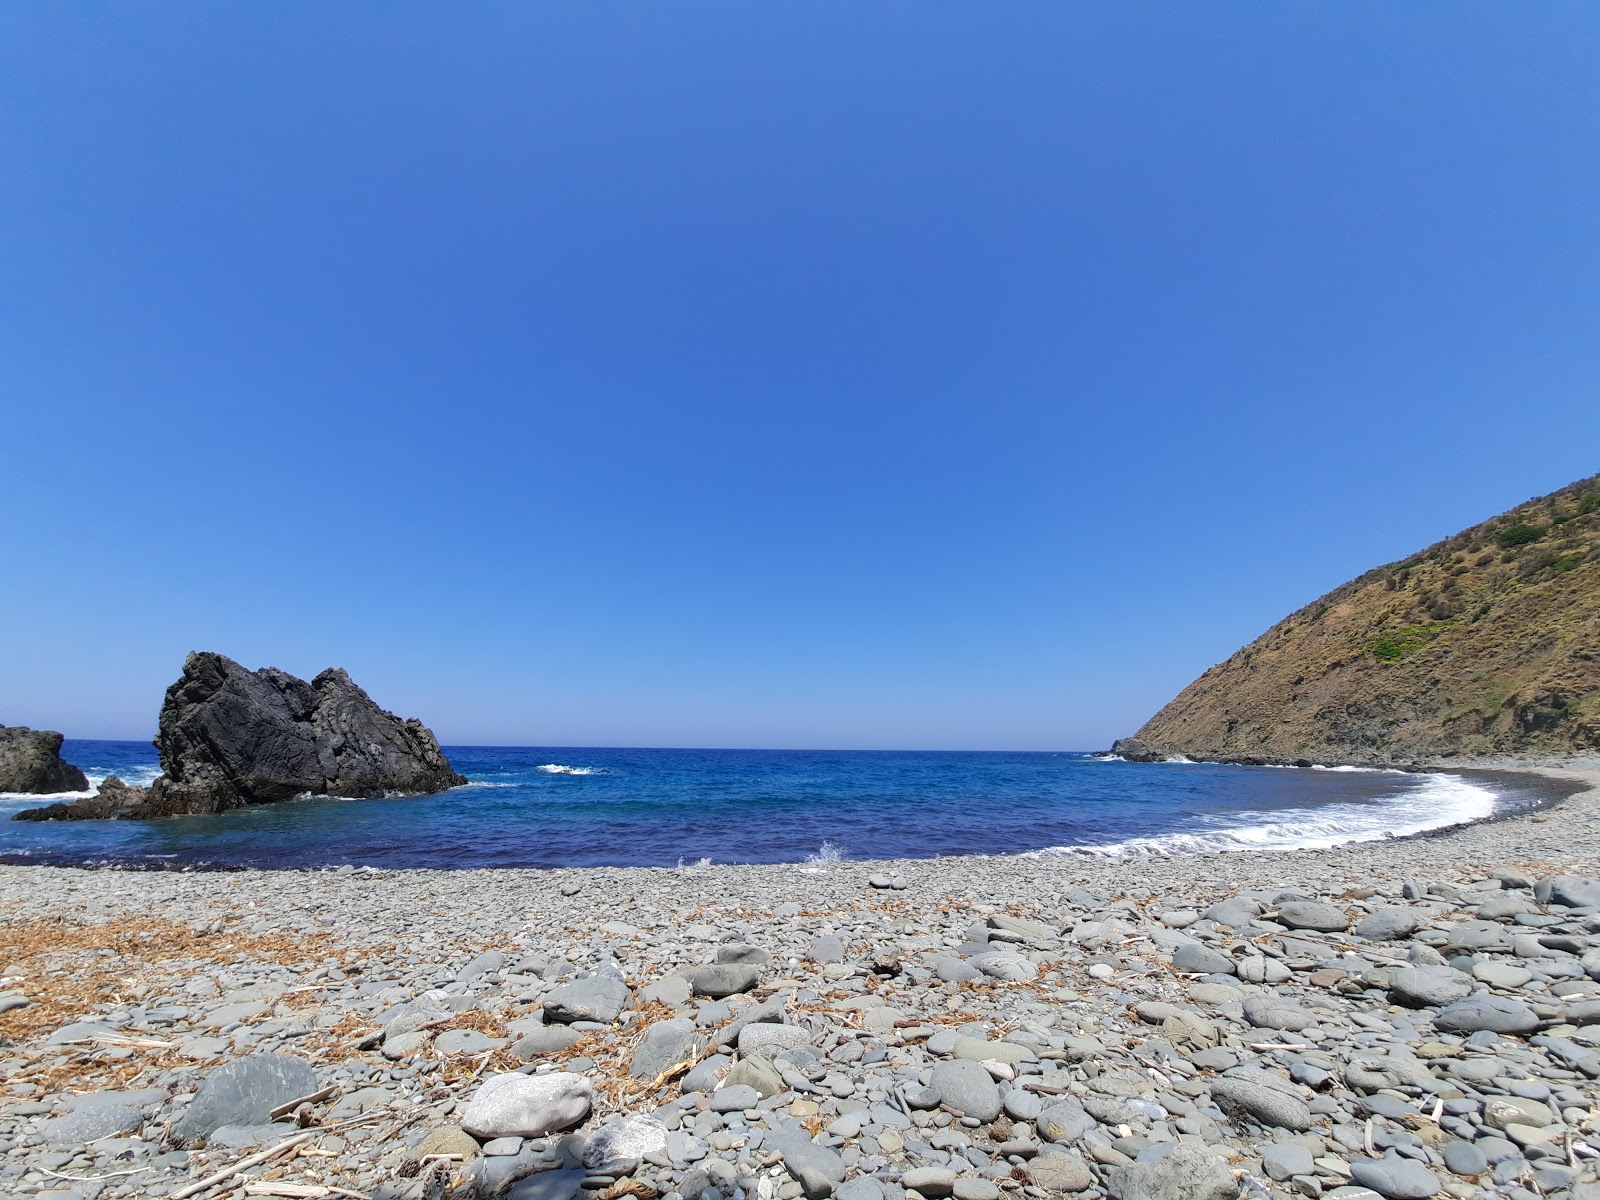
1485,643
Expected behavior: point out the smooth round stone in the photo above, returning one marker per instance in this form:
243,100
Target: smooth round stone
734,1098
1021,1105
1101,971
966,1087
501,1146
1313,915
1465,1159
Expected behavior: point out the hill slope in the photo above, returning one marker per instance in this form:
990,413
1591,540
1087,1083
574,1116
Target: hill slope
1485,643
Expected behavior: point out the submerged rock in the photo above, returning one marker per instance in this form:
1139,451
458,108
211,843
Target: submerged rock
30,761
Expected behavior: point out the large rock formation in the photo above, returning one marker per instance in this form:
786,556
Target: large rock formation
1486,643
230,737
30,761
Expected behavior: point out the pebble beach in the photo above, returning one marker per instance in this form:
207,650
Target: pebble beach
1404,1018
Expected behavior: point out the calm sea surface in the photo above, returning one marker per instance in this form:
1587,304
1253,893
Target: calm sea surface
550,806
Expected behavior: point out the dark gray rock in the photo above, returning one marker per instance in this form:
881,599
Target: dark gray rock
1133,750
1282,1161
1429,987
1499,1014
230,737
112,799
1465,1159
1387,925
1195,959
244,1093
1574,891
723,979
30,761
1261,1097
598,998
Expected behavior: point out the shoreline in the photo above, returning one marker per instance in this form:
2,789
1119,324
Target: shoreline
1559,781
1156,1006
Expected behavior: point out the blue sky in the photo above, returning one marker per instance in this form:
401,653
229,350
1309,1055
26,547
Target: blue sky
836,375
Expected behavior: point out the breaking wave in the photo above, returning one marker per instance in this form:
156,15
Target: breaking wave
559,769
1436,802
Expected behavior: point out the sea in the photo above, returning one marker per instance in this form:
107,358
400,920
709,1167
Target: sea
546,806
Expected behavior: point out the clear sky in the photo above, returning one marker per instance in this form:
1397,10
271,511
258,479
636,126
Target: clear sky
963,375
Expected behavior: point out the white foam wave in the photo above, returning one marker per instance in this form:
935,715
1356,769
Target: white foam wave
1436,802
132,776
826,853
559,769
488,783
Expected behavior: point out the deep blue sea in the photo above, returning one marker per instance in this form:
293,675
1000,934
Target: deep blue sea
551,806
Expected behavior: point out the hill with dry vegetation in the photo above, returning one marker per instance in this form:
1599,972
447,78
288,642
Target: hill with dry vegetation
1486,643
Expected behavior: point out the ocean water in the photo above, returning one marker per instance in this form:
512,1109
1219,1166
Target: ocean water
548,807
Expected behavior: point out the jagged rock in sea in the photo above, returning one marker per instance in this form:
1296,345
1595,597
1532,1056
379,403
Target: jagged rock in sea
30,761
113,798
231,737
1487,643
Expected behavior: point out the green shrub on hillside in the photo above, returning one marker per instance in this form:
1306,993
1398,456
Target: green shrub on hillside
1519,535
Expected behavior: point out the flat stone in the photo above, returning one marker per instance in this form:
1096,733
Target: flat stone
91,1124
548,1039
1274,1012
1196,959
1386,925
465,1041
1312,914
723,979
665,1045
245,1092
1498,1014
599,998
1429,987
930,1181
734,1098
1189,1172
1264,1102
1282,1161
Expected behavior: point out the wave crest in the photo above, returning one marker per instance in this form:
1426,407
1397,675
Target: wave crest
1437,802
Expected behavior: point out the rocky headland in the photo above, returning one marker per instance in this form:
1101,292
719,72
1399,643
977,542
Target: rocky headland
1401,1019
1484,644
230,737
31,763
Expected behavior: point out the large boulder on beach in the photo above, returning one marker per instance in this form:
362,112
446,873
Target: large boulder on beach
231,737
31,762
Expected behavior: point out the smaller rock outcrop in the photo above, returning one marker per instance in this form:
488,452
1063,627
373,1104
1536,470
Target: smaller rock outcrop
30,761
1131,749
112,799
